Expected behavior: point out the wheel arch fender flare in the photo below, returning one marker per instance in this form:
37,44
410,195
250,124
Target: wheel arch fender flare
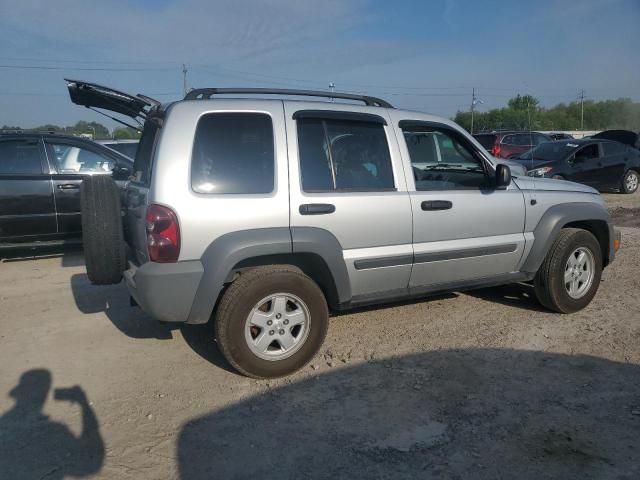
224,255
593,217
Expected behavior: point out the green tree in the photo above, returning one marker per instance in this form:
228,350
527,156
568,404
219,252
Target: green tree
622,113
124,133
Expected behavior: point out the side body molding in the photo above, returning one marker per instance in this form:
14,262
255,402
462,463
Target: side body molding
554,219
229,250
324,244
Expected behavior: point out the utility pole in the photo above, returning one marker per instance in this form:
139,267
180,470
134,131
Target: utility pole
582,110
184,79
474,102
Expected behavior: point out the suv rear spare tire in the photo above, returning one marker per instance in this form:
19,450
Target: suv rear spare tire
102,230
271,321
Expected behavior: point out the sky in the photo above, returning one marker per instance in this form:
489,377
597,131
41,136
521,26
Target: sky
421,55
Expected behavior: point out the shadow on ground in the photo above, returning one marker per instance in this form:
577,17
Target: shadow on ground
70,255
34,446
446,414
113,300
520,295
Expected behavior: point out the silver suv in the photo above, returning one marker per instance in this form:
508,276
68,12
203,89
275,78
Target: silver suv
264,215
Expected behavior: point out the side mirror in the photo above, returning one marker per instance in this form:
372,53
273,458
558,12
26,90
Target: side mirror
503,176
121,172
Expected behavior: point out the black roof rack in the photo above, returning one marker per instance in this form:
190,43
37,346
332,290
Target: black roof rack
207,93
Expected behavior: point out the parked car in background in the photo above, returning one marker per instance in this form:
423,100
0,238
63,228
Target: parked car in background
560,136
601,164
509,143
125,147
40,176
623,136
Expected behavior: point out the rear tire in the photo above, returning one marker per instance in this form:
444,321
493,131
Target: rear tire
102,235
630,182
561,284
235,327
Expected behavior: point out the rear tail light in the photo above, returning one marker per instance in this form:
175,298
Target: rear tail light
163,234
495,151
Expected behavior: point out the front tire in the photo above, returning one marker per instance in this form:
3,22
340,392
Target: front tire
271,321
569,276
630,182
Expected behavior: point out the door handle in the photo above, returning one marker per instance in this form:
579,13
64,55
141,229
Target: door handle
316,208
430,205
69,186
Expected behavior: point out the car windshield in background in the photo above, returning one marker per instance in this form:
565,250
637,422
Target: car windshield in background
550,151
487,141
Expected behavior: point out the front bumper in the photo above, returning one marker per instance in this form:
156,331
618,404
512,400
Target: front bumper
165,290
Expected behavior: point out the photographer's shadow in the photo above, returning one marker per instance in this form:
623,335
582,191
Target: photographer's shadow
33,446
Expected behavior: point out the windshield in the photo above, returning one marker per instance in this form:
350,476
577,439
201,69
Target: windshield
550,151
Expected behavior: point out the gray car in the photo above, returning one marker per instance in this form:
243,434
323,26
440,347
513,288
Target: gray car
265,215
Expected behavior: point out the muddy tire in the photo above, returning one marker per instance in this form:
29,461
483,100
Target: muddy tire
630,182
102,235
569,276
271,321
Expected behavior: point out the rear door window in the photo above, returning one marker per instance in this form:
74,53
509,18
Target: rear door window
71,158
538,139
343,155
20,157
233,153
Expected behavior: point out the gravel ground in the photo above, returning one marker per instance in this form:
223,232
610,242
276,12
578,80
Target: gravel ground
484,384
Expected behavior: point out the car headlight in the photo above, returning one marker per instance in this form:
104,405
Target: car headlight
539,172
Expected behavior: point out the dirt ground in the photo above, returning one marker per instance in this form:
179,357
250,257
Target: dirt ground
484,384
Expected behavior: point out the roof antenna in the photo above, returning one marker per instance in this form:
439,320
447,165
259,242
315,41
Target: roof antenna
184,79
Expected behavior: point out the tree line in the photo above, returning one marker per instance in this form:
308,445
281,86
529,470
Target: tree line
523,112
94,129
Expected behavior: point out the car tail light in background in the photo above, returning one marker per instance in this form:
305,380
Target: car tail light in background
495,150
163,234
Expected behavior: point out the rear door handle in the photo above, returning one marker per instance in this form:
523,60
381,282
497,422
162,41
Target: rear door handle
430,205
317,208
69,186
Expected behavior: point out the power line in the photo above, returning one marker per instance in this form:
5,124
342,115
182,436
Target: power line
90,69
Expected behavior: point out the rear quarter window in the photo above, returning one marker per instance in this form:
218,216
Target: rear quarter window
487,141
613,148
233,153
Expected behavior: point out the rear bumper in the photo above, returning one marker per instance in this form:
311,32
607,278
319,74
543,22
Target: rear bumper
165,290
